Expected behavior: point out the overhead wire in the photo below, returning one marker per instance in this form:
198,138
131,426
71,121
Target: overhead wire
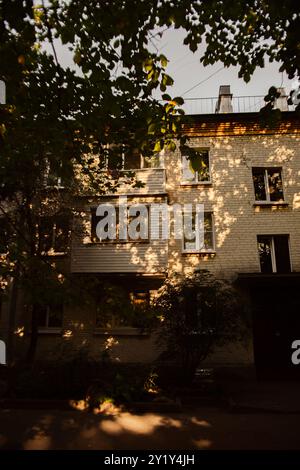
202,81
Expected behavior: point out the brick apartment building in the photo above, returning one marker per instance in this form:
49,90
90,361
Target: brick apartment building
251,194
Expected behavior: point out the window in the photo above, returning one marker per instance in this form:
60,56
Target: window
56,174
122,159
54,234
5,234
132,160
274,253
193,245
195,166
119,307
50,316
142,229
140,299
267,184
155,161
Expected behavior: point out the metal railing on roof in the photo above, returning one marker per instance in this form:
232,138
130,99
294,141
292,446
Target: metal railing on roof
240,104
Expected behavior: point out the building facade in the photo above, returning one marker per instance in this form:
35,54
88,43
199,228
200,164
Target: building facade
248,179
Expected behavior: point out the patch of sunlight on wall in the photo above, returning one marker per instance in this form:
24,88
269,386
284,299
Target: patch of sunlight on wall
296,201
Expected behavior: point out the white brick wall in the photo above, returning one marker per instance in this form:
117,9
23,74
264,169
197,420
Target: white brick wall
231,199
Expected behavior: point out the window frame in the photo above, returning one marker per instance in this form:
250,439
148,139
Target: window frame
273,254
196,182
267,186
118,241
116,327
52,251
203,250
47,328
141,166
161,159
4,224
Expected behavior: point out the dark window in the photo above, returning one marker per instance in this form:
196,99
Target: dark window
282,254
58,173
267,184
114,162
132,160
274,253
122,158
6,231
50,316
140,299
95,219
54,234
121,307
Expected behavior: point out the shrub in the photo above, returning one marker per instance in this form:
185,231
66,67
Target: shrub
196,313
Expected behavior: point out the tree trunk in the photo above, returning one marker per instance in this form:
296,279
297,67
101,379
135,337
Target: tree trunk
12,320
34,335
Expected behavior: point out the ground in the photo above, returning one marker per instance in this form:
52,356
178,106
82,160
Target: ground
201,428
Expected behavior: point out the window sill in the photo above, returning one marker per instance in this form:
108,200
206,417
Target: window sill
122,331
50,331
117,242
129,170
270,203
54,186
53,254
199,252
145,169
196,183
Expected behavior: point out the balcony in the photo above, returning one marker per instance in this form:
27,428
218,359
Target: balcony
153,180
240,104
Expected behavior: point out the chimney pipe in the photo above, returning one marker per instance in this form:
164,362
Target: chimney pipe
224,103
282,101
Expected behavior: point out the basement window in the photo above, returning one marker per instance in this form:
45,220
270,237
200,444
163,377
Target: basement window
274,253
268,184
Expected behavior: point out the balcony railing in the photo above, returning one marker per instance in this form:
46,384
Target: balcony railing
240,104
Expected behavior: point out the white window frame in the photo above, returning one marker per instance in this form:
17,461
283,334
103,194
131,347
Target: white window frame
196,181
202,250
142,166
273,256
267,187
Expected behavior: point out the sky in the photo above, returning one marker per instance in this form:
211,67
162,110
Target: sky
187,71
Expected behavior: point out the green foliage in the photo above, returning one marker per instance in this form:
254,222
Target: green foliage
125,386
270,117
67,118
196,312
80,378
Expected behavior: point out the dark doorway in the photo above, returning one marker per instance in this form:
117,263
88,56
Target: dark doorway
276,324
